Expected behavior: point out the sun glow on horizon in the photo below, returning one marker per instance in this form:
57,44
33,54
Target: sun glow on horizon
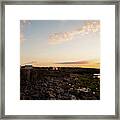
83,64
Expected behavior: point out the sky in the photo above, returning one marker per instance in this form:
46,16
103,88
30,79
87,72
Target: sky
60,43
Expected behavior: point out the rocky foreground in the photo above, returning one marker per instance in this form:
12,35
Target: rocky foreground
43,83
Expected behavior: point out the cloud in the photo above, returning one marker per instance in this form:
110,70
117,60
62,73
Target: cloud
22,38
31,62
23,24
83,63
88,27
78,62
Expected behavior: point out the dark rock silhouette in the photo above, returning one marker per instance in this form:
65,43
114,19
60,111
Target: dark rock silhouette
46,83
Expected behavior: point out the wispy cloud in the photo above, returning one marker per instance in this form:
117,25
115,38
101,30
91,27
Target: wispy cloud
88,27
31,62
22,38
83,63
23,24
78,62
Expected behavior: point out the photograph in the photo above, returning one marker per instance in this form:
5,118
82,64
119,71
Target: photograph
59,59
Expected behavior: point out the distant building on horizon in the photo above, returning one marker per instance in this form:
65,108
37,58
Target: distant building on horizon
28,66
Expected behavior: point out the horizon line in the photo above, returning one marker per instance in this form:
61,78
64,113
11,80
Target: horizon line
62,66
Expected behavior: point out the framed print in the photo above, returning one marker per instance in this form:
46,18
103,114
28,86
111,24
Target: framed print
60,60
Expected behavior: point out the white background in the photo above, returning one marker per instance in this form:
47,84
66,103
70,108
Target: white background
13,15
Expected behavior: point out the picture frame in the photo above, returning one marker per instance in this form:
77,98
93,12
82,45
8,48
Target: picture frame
2,67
